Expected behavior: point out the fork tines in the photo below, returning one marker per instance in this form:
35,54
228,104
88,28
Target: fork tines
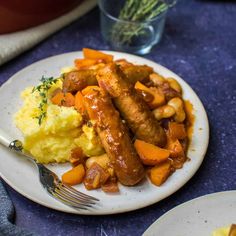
72,197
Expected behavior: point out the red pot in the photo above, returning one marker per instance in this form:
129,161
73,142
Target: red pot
21,14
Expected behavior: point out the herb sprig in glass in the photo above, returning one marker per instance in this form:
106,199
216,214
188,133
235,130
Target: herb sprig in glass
42,89
123,32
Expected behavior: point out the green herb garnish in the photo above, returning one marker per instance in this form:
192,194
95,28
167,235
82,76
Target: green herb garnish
135,11
43,93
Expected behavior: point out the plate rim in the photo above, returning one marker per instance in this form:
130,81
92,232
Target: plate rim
176,188
189,202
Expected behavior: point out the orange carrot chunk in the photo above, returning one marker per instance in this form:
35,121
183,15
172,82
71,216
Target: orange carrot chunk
74,176
79,105
159,173
63,99
89,89
85,63
149,153
94,54
158,96
176,130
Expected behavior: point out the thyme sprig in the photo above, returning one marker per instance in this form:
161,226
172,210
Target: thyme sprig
42,89
135,11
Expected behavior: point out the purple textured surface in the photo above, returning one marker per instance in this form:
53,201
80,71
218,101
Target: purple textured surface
199,44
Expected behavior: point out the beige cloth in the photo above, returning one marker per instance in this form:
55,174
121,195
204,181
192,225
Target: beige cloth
13,44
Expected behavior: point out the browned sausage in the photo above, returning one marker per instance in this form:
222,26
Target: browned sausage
131,106
114,137
133,72
77,80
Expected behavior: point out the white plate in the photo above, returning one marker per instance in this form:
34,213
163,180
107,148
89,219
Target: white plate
200,216
23,177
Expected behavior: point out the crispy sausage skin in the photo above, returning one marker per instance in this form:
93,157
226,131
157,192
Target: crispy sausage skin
77,80
133,72
131,106
114,137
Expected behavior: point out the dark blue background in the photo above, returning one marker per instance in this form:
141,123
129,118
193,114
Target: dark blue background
199,44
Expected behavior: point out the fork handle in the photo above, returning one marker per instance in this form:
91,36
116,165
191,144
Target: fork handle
4,138
15,145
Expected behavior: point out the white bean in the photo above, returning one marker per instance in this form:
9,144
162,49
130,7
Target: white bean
174,84
178,105
163,112
157,79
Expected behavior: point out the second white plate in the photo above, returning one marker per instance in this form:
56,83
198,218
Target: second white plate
23,177
198,217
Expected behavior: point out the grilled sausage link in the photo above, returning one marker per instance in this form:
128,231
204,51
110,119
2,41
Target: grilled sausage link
133,72
114,137
78,80
131,106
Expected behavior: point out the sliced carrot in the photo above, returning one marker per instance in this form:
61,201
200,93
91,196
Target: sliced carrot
94,54
63,99
56,91
85,63
69,100
176,130
150,154
57,98
158,96
74,176
159,173
89,89
79,105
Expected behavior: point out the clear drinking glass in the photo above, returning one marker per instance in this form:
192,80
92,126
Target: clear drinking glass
130,36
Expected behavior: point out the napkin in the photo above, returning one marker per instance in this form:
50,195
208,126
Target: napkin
13,44
7,212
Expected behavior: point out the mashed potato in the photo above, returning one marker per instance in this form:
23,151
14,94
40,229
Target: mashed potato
60,131
221,231
87,139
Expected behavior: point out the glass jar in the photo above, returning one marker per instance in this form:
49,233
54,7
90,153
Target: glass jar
130,36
